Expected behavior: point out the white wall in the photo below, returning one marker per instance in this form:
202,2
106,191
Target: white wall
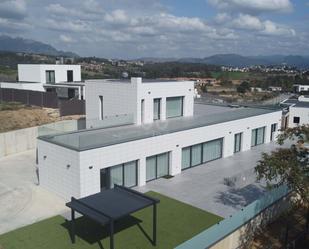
163,90
54,173
23,86
36,72
140,149
119,98
124,97
302,113
300,88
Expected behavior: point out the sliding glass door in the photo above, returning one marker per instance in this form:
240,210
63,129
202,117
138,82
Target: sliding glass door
201,153
157,166
212,150
237,142
257,136
123,174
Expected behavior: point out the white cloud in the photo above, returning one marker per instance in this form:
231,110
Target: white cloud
70,26
245,21
253,6
271,28
253,23
13,9
66,38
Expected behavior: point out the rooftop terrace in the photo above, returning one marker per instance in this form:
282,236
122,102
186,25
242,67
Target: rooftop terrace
101,137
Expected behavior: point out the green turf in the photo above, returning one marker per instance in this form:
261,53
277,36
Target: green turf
177,222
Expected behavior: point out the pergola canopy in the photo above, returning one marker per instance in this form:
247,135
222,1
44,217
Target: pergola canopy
110,205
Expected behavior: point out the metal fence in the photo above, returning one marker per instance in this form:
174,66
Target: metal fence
43,99
27,97
221,230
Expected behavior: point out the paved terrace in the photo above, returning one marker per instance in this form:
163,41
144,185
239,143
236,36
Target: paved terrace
204,186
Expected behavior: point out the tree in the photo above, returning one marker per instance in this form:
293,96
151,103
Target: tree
243,87
289,165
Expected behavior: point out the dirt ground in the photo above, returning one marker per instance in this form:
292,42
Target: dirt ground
24,117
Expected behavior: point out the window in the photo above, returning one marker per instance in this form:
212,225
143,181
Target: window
174,107
257,136
70,75
201,153
124,174
237,142
157,166
50,77
272,132
101,114
296,120
142,110
156,109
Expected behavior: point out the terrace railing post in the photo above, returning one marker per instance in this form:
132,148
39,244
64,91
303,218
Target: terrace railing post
111,234
154,228
73,225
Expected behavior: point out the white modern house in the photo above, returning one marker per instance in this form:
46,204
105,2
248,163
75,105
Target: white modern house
298,113
300,88
168,134
65,79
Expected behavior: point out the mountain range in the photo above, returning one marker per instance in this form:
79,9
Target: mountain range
235,60
18,44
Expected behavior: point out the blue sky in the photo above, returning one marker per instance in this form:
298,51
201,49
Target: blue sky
161,28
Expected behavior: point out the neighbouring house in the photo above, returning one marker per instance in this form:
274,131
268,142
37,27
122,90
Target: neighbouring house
167,135
63,79
300,88
275,88
297,111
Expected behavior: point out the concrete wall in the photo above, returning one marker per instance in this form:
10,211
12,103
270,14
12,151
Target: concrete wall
302,113
26,139
18,141
36,72
91,161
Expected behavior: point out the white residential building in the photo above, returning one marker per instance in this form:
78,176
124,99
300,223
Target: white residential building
301,88
65,79
163,139
298,111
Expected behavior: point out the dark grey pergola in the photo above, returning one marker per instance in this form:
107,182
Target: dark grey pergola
110,205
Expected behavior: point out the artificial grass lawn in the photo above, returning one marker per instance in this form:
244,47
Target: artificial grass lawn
177,222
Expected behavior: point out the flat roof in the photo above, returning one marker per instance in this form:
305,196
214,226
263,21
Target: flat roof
302,104
102,137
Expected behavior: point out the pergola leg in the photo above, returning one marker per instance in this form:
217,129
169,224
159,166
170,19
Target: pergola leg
73,225
111,234
154,224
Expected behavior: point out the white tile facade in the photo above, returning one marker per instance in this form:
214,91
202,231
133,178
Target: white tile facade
125,97
83,177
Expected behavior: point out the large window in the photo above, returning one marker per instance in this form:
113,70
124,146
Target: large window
124,174
70,76
237,142
156,109
174,107
272,132
257,136
50,76
201,153
157,166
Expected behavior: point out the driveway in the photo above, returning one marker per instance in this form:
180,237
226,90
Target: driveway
222,186
22,201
